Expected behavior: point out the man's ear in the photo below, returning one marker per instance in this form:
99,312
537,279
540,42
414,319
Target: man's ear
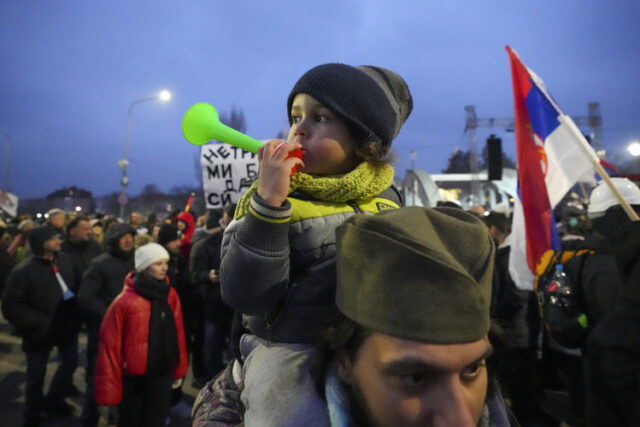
345,367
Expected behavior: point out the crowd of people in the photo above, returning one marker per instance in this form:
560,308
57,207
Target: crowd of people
76,274
320,300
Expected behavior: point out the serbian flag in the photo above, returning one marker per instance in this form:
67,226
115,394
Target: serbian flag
552,155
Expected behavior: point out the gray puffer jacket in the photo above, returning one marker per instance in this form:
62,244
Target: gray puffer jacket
278,264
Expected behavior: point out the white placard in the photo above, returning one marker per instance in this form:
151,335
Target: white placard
227,172
9,203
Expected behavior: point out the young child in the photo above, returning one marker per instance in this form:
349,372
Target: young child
278,265
142,348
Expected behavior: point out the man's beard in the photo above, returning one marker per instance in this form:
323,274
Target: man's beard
360,412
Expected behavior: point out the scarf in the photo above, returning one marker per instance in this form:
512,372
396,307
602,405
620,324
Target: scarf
362,183
163,353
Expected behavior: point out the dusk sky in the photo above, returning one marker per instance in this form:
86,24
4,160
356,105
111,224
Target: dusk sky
70,70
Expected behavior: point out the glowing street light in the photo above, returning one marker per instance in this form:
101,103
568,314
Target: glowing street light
164,96
634,148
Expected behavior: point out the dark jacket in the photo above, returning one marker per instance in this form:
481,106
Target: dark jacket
104,278
205,256
83,252
280,271
6,264
33,303
600,281
510,306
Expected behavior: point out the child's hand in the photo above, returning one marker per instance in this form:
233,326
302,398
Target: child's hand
275,170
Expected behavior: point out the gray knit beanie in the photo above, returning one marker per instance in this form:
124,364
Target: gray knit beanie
373,101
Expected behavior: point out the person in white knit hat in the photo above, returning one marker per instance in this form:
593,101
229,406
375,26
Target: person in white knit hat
142,350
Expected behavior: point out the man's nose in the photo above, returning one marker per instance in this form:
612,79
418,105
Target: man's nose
452,407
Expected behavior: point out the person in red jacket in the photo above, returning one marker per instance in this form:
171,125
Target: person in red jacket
142,350
186,226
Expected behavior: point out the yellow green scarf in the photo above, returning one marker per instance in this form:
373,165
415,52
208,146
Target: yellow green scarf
362,183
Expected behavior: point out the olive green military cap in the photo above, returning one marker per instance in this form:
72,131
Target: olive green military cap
416,273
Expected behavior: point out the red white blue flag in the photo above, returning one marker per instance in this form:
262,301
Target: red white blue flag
552,156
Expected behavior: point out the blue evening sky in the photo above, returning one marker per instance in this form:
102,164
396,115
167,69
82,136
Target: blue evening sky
71,68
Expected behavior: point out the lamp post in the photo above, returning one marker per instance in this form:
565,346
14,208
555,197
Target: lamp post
6,161
165,95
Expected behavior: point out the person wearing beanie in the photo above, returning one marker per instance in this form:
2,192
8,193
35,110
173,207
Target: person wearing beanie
142,353
410,344
39,300
101,283
278,254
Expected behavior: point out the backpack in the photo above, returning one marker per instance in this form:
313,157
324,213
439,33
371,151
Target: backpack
566,324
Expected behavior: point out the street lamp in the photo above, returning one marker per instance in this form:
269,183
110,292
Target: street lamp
6,161
164,95
634,148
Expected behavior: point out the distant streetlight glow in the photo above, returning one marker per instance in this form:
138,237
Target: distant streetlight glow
78,208
634,148
165,95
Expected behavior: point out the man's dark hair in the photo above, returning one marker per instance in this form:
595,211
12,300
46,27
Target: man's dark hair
499,221
74,223
339,334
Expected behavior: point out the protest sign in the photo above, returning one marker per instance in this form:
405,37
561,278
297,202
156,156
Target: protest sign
227,172
9,203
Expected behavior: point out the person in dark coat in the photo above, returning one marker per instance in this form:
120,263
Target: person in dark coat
6,260
516,312
204,268
39,301
101,283
79,244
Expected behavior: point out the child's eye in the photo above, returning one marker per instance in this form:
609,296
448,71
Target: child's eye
296,119
321,118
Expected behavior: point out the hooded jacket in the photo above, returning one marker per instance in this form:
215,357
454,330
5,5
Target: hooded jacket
103,280
124,342
185,243
282,274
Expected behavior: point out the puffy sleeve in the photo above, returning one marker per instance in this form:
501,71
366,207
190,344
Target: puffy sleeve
174,301
254,272
108,381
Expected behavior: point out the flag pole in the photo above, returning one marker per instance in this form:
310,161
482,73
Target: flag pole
587,150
